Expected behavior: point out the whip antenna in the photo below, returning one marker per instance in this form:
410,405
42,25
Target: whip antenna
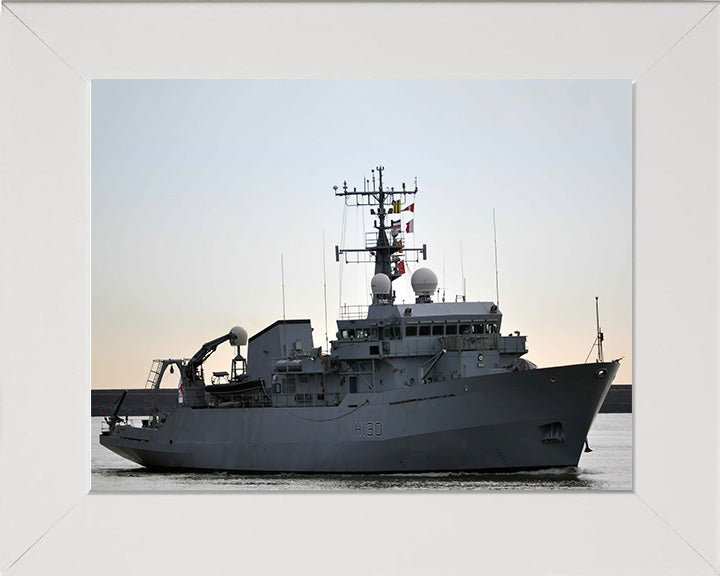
497,289
462,272
282,281
327,344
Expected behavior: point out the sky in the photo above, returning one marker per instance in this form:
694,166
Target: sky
206,195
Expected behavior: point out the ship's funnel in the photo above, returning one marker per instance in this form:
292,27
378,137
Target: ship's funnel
424,283
238,336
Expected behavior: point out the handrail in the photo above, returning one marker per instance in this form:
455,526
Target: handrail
353,311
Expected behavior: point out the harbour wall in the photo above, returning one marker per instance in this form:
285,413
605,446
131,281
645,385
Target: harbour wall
138,402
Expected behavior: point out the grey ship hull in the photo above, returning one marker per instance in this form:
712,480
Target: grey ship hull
493,422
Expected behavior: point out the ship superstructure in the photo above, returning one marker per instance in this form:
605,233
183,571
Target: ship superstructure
425,386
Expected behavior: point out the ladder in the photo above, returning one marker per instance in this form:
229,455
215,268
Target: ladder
155,371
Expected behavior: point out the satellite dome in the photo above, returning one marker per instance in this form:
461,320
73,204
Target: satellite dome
238,336
424,282
380,284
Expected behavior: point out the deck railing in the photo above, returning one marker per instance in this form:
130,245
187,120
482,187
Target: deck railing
353,311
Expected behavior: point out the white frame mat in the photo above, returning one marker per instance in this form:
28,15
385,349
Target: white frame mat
50,523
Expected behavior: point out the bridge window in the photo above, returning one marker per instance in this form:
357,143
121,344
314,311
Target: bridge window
424,330
438,329
465,329
451,329
411,331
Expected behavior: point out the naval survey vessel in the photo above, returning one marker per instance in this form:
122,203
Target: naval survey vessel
419,387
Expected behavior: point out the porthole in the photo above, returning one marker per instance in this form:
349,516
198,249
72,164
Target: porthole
601,373
480,357
553,379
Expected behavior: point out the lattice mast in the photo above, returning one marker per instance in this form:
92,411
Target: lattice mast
385,252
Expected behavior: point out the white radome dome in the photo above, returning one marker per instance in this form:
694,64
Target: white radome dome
380,284
238,336
424,282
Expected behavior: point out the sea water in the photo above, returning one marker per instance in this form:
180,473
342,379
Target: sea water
607,467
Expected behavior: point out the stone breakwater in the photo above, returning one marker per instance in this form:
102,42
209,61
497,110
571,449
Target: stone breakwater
138,402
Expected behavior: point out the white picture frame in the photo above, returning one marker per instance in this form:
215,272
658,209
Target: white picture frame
50,523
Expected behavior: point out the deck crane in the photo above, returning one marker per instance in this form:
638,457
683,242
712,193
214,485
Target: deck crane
192,373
